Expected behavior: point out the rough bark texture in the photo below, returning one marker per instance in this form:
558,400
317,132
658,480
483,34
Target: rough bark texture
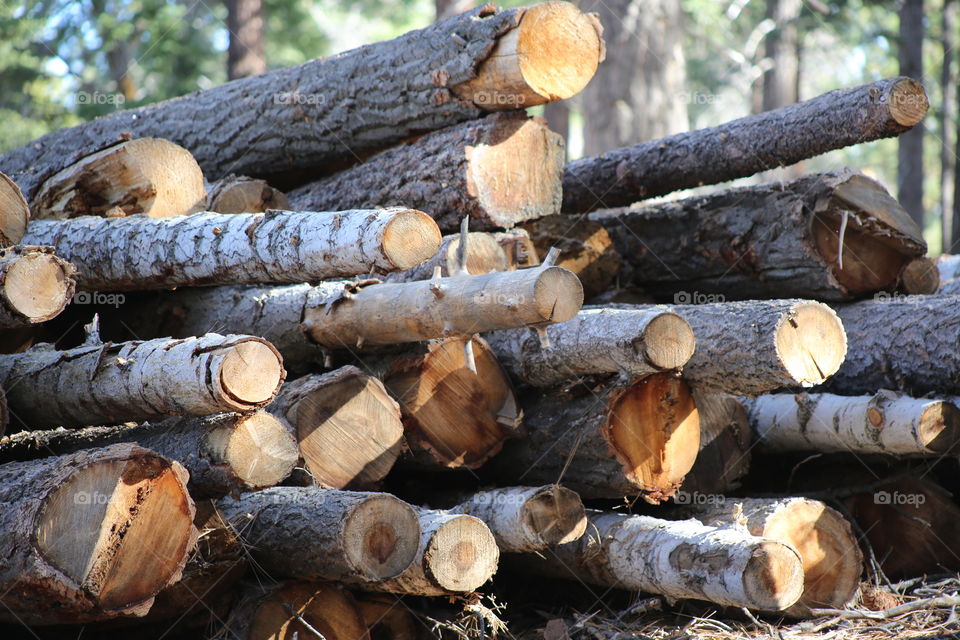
484,254
14,212
240,194
744,147
725,447
107,383
949,266
501,170
831,236
211,248
35,285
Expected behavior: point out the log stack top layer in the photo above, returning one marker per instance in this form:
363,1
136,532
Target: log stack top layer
14,212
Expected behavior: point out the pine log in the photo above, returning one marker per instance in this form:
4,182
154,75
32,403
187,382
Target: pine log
131,381
830,236
347,426
725,446
35,285
484,254
606,442
682,559
634,342
327,111
500,170
92,535
137,253
151,176
743,147
14,212
240,194
920,277
527,519
518,246
324,534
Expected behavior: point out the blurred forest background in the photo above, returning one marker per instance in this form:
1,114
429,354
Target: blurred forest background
672,65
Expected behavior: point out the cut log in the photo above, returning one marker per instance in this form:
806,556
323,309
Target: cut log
484,254
35,285
347,426
457,554
151,176
501,170
324,534
14,212
518,246
634,342
224,453
682,559
526,519
884,423
387,619
212,248
725,446
838,236
606,442
240,194
920,277
744,147
327,111
459,416
106,383
92,535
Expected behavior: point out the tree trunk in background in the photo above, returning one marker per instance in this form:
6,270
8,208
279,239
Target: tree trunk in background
557,115
948,85
910,155
448,8
780,85
245,55
637,94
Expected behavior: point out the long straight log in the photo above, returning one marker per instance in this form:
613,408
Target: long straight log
131,381
743,147
484,254
211,248
14,212
35,285
240,194
830,236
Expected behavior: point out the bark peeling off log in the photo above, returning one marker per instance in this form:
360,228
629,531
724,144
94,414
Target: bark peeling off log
35,285
14,212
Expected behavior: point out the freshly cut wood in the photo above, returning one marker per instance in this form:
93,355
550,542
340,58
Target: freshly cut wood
743,147
838,236
151,176
130,381
526,519
884,423
457,554
294,118
14,212
725,446
35,285
224,453
296,610
459,416
324,534
484,254
920,277
500,170
681,559
386,619
240,194
598,340
519,248
585,248
212,248
347,426
92,535
606,442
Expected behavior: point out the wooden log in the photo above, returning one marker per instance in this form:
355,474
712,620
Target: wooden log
920,277
35,285
211,248
518,246
455,172
347,426
725,446
634,342
606,442
151,176
388,619
240,194
744,147
682,559
328,111
884,423
92,535
527,519
131,381
14,212
325,534
838,236
484,254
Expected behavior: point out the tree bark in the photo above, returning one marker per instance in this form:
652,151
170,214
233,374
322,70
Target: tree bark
455,172
35,285
130,381
837,236
910,149
92,535
245,23
240,194
725,447
14,212
210,248
949,266
484,254
520,250
744,147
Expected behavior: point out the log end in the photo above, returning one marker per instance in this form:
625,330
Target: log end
558,294
484,254
908,102
811,343
251,372
38,285
461,555
320,608
410,238
556,514
239,194
174,174
773,577
667,341
259,448
920,277
14,212
381,537
938,429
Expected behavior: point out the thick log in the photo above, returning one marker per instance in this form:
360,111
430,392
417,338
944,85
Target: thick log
920,277
14,212
212,248
454,173
35,285
519,248
240,194
744,147
606,442
585,248
151,176
325,112
484,254
634,342
325,534
92,535
830,236
725,447
347,426
131,381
